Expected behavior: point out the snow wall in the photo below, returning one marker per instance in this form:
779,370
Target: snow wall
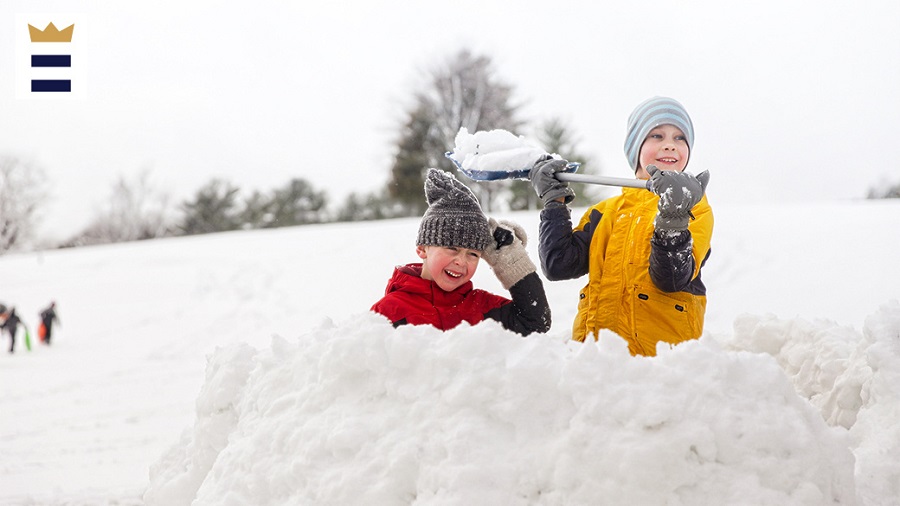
781,412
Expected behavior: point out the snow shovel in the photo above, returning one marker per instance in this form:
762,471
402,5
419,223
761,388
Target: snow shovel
567,176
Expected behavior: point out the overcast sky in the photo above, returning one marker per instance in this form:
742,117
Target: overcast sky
791,100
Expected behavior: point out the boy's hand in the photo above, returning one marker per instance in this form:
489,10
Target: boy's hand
506,253
678,193
547,187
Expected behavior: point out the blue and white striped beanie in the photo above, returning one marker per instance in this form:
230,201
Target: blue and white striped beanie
650,114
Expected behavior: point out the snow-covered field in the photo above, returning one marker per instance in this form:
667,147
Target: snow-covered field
244,368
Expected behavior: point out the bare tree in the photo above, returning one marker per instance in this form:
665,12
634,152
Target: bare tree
22,189
462,92
465,93
136,210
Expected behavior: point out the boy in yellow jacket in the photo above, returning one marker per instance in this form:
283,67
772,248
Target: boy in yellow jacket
642,250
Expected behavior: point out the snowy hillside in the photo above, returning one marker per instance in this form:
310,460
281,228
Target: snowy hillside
245,368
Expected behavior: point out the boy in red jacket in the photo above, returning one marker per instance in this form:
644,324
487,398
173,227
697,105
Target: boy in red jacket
453,236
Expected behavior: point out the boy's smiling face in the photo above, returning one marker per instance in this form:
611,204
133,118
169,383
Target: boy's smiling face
666,147
450,268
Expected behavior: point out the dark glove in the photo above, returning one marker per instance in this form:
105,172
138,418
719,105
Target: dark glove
547,187
506,253
678,193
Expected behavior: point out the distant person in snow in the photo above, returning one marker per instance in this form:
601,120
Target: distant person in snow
453,236
11,325
642,250
48,317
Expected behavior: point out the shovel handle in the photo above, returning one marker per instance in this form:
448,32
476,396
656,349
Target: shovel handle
603,180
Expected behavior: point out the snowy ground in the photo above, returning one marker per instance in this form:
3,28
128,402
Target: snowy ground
243,368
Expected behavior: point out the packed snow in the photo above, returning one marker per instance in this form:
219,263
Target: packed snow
493,150
245,368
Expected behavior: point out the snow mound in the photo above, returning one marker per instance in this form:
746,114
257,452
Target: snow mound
494,151
853,378
362,413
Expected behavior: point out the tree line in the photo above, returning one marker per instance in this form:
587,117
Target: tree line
461,91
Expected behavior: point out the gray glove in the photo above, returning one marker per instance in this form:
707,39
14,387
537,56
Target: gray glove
678,193
547,187
506,252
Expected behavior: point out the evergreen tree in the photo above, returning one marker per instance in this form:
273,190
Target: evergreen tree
257,211
890,192
405,186
213,209
372,206
297,203
557,137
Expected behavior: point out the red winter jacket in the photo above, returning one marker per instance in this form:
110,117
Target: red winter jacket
411,299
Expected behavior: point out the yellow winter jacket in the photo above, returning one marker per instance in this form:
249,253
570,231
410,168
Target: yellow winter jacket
644,287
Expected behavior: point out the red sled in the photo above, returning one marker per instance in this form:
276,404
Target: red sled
42,332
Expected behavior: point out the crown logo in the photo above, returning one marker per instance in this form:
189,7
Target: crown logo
51,34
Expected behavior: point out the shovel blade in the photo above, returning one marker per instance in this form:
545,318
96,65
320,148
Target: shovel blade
496,175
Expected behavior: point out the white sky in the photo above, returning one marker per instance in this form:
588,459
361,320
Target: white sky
790,101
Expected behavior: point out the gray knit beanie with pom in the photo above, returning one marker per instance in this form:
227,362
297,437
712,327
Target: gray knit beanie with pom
454,217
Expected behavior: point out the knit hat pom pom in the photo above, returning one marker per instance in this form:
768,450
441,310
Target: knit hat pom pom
454,217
